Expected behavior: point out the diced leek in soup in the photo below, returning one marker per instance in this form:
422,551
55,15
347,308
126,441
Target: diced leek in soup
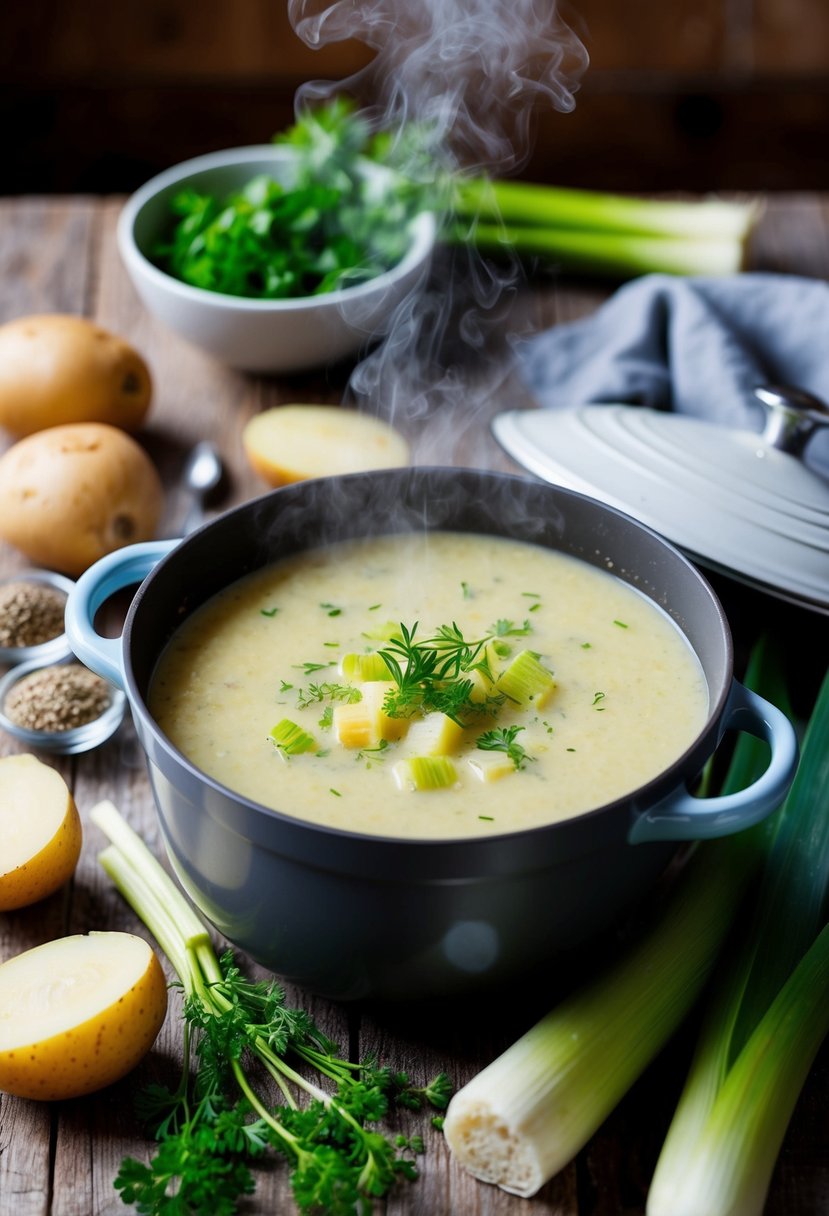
430,685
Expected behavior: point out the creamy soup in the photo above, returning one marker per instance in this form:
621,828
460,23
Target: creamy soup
521,686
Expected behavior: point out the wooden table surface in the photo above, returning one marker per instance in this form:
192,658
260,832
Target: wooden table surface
58,255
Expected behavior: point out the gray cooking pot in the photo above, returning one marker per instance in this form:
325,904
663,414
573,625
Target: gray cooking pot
351,915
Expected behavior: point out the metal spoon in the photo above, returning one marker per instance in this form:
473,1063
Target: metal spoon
203,474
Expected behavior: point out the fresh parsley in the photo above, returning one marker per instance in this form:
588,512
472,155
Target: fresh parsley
503,739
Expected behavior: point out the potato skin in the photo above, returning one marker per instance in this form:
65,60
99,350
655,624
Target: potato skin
71,494
54,864
58,368
94,1054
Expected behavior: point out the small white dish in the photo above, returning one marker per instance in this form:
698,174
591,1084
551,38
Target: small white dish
44,652
62,742
251,334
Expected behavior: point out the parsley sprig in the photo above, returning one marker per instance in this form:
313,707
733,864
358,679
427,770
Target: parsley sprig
218,1120
503,739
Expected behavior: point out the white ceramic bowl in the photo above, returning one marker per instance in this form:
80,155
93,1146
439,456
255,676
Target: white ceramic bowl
249,334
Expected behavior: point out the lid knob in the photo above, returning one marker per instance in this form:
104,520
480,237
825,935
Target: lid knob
792,416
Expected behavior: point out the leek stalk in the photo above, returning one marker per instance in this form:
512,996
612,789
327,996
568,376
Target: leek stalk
528,1113
612,253
603,233
720,1149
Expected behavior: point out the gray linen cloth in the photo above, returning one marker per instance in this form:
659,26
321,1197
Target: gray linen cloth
698,346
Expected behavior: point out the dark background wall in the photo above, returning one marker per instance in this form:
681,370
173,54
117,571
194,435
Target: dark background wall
96,95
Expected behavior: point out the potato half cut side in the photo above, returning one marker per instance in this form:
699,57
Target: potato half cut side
40,829
77,1014
293,442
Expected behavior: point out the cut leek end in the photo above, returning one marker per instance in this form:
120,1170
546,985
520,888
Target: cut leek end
526,681
422,773
489,1149
363,667
291,739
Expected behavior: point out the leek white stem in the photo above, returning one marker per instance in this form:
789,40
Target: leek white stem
528,1113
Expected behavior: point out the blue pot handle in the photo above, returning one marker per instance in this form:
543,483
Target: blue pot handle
680,816
112,573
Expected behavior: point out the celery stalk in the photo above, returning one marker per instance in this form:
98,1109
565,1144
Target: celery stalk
757,973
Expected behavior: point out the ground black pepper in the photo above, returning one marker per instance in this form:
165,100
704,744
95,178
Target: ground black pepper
30,613
57,698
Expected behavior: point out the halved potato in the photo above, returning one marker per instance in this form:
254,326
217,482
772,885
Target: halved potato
77,1014
292,442
40,829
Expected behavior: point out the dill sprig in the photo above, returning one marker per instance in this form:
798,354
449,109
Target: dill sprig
432,675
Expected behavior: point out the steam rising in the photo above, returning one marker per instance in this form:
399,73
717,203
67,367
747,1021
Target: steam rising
475,72
475,69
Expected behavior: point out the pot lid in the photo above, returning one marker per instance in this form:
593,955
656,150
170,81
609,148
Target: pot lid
740,503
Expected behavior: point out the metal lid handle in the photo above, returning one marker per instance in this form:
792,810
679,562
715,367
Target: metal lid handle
792,416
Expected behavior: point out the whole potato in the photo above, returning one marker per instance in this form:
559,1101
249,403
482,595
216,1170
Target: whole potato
58,368
70,494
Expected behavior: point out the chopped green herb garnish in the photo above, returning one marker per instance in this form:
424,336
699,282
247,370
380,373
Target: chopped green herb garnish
332,226
269,611
597,697
535,607
332,609
327,719
336,793
502,739
374,607
310,668
373,753
429,675
488,818
285,686
467,591
586,646
509,629
531,595
327,692
621,624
